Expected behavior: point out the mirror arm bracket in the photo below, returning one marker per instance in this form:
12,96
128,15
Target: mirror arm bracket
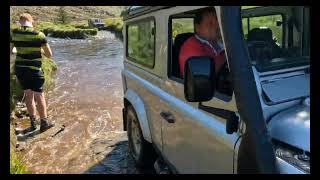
230,116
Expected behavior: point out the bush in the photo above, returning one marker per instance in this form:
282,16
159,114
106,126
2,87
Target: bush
63,16
114,24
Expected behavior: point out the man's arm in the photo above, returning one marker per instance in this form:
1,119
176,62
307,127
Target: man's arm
46,50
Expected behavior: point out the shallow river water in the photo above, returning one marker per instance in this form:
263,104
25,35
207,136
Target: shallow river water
87,100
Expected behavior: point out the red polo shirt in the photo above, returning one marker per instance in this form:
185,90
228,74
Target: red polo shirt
194,47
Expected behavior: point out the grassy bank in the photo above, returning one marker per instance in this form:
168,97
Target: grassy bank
16,160
114,24
76,30
71,30
16,93
17,165
75,13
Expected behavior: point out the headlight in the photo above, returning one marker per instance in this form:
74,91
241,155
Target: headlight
298,158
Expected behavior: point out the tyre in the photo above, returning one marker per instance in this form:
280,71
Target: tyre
141,151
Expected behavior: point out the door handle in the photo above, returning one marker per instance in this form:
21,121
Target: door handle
166,115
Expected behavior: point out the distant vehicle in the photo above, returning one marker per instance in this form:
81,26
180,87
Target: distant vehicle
252,116
96,23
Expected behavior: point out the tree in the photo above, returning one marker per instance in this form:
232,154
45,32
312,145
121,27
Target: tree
63,15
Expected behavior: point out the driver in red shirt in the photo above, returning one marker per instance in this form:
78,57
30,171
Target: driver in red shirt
205,41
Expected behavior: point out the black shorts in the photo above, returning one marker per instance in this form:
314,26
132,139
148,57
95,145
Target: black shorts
30,79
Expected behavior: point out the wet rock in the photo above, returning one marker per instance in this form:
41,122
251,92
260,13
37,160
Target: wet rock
116,158
98,150
21,112
13,116
20,149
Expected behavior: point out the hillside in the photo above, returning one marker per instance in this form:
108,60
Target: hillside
76,13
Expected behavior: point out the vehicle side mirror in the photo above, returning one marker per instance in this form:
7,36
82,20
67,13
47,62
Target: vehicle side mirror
199,79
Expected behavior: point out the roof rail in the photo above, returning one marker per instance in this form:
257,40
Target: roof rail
134,11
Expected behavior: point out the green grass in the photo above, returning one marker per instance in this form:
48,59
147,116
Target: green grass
49,68
267,21
16,91
182,25
115,23
16,164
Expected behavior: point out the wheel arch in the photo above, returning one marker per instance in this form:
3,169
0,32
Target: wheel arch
132,98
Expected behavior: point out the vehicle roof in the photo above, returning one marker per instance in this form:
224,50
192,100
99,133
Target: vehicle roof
135,11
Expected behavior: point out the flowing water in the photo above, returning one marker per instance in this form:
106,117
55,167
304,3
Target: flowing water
87,100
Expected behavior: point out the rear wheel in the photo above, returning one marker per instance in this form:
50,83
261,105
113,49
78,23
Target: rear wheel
141,150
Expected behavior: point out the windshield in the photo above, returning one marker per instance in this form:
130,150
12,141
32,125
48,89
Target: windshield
277,37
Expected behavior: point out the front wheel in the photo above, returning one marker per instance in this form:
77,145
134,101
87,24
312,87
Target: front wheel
141,150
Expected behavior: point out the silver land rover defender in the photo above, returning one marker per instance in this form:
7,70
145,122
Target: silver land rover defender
252,116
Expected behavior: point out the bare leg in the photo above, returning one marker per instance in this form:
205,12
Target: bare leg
30,102
41,104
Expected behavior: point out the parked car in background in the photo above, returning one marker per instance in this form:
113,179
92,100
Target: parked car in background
96,23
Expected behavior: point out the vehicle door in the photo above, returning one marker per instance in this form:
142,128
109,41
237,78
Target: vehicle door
194,141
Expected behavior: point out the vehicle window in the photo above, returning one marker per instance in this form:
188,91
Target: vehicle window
268,22
141,42
182,25
269,48
245,27
181,30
